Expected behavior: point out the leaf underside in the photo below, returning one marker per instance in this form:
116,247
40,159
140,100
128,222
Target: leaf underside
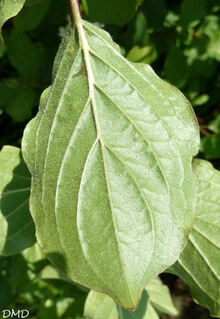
16,223
110,151
199,264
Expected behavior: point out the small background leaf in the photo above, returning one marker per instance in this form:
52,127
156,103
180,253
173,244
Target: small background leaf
155,12
113,12
146,54
215,124
160,297
210,146
192,11
17,226
176,67
31,15
16,101
25,56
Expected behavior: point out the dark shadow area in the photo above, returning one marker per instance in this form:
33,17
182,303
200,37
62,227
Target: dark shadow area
183,299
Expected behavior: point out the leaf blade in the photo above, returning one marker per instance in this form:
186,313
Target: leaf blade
116,162
160,297
18,231
203,251
116,12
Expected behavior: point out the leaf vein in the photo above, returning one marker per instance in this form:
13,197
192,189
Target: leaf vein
193,242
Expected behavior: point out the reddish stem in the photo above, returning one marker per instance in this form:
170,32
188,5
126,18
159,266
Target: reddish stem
71,10
204,131
79,7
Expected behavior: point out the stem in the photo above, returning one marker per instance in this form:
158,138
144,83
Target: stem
85,48
204,131
74,9
79,7
70,10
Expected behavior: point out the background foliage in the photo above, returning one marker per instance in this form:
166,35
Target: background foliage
180,39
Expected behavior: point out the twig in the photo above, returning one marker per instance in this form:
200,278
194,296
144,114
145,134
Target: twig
204,131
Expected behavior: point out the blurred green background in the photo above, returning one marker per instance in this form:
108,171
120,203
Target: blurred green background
181,41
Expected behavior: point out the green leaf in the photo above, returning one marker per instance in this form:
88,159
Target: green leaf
214,46
200,100
9,9
24,55
31,265
135,34
112,12
146,54
160,297
26,266
21,107
156,295
199,263
33,254
155,12
215,124
2,48
113,192
192,11
100,306
31,15
17,227
16,101
210,30
176,67
211,146
138,30
6,293
63,305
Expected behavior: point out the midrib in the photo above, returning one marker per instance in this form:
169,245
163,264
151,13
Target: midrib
91,82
